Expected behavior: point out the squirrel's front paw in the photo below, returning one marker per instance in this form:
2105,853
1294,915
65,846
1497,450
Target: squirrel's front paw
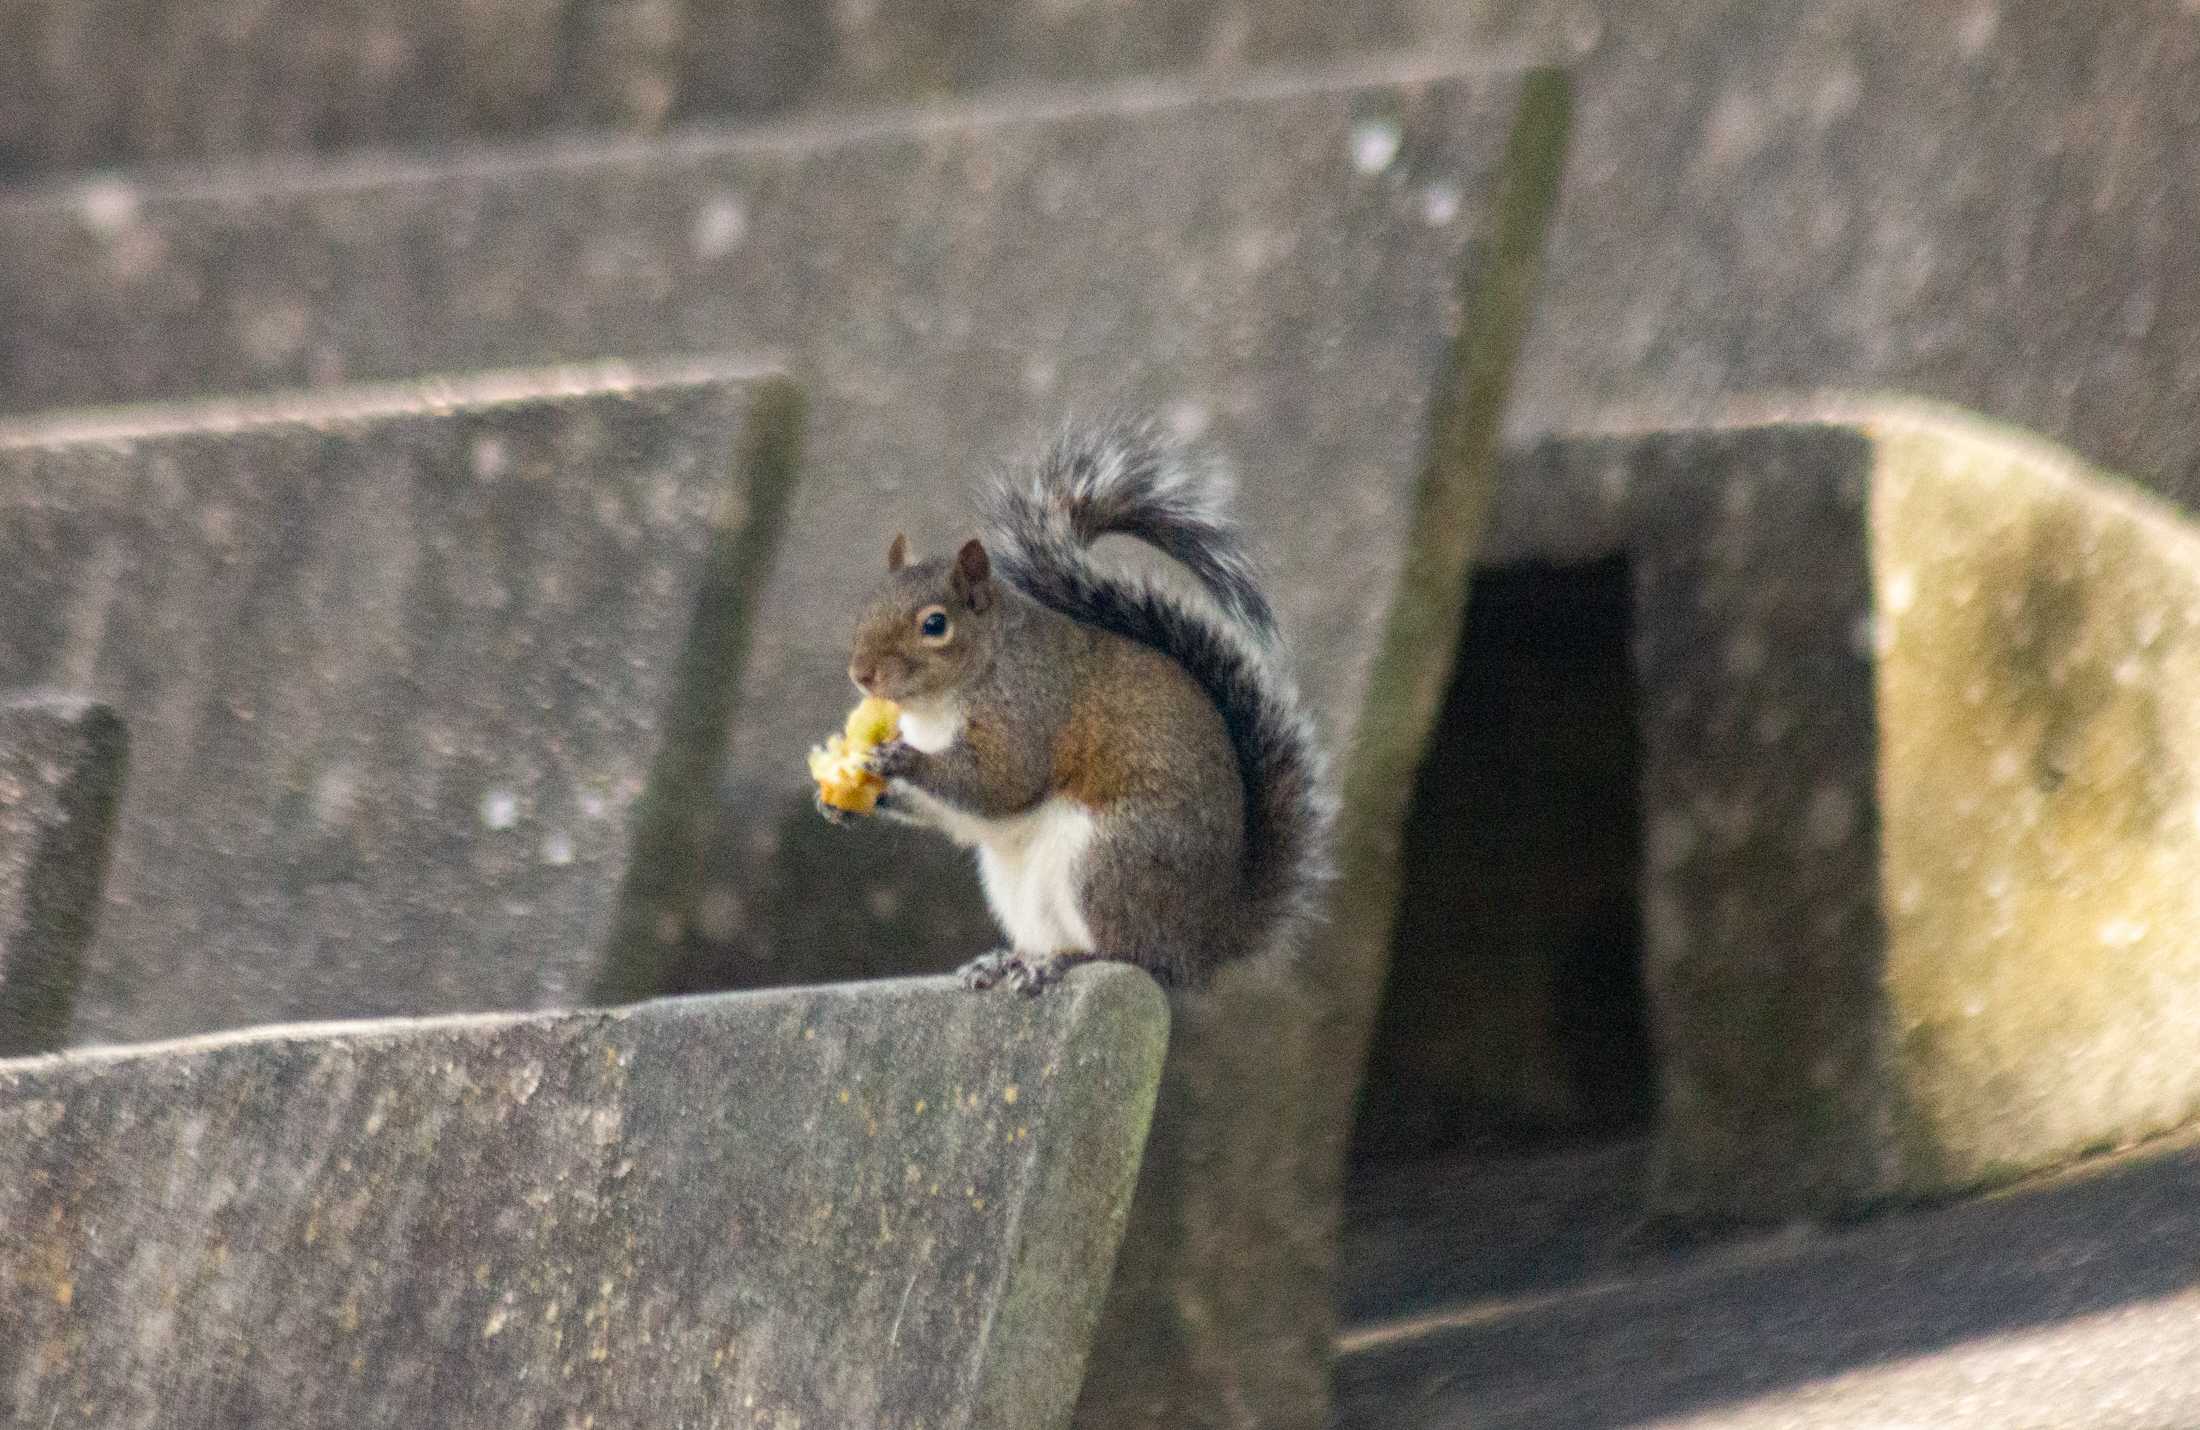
896,759
832,813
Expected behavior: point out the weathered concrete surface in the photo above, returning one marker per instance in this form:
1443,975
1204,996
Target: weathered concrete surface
1982,202
889,1206
116,82
61,769
396,663
1274,266
1916,791
2070,1304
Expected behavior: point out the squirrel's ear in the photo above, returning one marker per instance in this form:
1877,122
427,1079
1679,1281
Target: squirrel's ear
897,555
974,574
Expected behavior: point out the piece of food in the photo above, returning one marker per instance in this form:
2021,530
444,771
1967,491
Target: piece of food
839,765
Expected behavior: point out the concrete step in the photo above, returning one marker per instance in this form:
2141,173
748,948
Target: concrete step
886,1205
1280,266
2066,1304
120,82
1983,204
396,663
1979,203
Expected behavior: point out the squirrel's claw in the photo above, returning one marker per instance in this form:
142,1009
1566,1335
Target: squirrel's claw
1029,976
893,760
895,810
833,814
986,969
1033,976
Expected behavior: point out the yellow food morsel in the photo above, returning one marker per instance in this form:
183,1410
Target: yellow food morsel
838,766
873,722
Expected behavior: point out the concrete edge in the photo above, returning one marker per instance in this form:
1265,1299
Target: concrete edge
358,403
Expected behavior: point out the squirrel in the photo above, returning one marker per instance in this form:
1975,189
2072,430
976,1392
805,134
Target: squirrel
1136,773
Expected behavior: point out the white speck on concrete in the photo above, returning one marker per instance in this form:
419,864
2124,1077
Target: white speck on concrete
557,848
1901,591
1440,203
720,225
1836,95
491,458
500,809
109,207
1188,419
1975,31
2122,933
335,795
1375,144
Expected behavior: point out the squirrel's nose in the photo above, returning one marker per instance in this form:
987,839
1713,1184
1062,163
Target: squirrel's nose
862,673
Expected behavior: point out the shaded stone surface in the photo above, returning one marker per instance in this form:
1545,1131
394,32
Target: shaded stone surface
395,662
62,760
2071,1302
890,1206
125,81
1984,202
1917,828
1273,267
1513,1012
1224,1303
1289,269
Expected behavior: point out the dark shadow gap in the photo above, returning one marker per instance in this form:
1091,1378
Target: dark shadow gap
1514,1020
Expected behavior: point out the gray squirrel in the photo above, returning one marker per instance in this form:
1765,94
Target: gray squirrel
1135,772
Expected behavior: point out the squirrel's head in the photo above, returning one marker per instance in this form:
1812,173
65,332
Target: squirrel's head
929,627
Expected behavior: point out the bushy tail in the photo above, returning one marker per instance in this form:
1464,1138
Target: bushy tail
1132,479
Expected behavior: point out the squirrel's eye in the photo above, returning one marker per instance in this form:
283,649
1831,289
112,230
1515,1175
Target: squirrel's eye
932,625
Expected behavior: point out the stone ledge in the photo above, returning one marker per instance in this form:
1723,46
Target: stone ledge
893,1204
102,83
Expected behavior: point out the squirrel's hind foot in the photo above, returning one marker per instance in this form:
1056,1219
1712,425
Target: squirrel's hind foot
986,969
1028,974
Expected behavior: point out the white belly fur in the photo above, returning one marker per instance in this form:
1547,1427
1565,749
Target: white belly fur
1033,867
1031,864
